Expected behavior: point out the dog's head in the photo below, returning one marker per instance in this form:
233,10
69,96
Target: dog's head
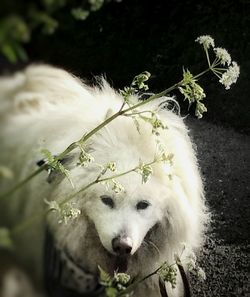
164,212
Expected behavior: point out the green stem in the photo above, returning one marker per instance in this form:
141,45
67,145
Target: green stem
19,228
202,73
135,284
23,182
220,69
137,113
28,222
85,137
207,55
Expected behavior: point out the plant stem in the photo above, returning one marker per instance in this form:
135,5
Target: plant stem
202,73
23,182
85,137
135,284
26,223
207,55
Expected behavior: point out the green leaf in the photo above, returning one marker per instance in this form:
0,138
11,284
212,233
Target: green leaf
111,292
105,278
96,4
5,239
21,53
54,164
79,13
9,52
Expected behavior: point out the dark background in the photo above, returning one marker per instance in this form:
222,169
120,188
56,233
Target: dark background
123,39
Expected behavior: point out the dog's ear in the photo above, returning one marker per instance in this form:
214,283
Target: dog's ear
67,163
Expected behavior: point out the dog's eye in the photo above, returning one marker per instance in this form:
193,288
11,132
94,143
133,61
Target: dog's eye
142,205
108,201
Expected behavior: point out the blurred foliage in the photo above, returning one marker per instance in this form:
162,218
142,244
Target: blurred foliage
19,20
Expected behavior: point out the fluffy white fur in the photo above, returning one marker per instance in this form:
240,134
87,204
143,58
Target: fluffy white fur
45,107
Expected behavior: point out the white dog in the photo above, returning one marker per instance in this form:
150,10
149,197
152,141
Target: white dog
134,231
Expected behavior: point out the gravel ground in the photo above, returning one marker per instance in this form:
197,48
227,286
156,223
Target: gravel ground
224,157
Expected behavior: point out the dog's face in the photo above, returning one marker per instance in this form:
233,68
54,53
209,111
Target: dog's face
112,225
122,220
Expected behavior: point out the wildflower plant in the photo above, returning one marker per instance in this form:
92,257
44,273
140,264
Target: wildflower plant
168,273
54,164
66,212
194,268
223,67
84,158
138,85
193,92
145,171
115,284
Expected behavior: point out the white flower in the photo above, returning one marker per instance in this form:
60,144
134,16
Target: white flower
223,55
145,171
117,187
200,109
201,274
122,278
168,273
206,40
191,265
68,213
84,158
111,166
65,212
230,76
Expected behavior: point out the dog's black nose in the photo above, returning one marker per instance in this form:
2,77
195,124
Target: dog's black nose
122,245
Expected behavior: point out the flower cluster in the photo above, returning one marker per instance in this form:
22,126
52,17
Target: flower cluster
168,273
65,212
113,284
139,81
154,121
193,267
138,84
206,40
84,158
223,56
116,186
227,76
110,166
145,171
230,76
53,164
193,92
